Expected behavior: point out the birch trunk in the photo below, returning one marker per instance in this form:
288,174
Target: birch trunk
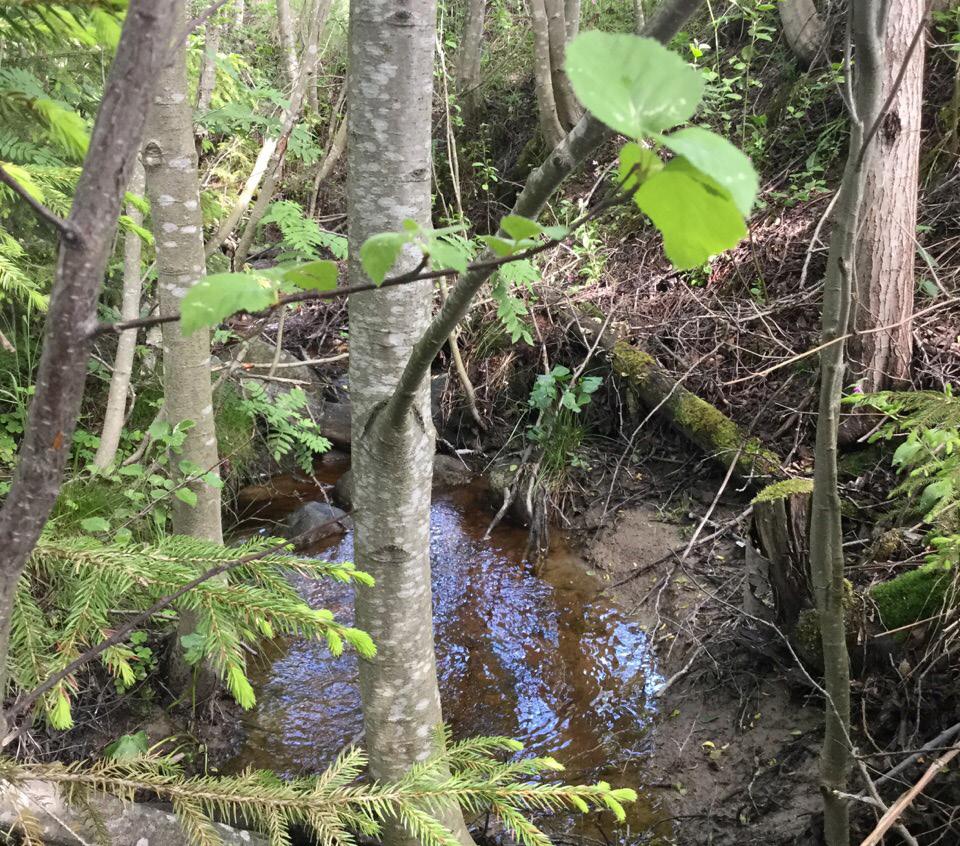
568,108
115,413
287,43
571,14
208,70
388,164
173,186
550,125
468,58
886,249
826,538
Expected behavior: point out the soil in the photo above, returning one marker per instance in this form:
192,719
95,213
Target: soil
734,757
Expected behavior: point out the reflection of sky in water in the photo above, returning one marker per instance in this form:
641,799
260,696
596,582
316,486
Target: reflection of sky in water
540,659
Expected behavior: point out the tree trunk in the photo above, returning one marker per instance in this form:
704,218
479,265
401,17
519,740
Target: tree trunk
287,44
886,248
390,94
468,58
208,70
115,413
571,14
550,124
568,109
86,246
826,538
804,30
173,186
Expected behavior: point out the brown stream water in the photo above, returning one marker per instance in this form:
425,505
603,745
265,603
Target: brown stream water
543,658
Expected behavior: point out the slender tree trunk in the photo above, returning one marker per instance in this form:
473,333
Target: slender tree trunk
84,252
208,70
571,14
239,11
468,58
173,186
550,124
388,166
334,152
568,109
115,413
826,539
804,30
886,247
287,44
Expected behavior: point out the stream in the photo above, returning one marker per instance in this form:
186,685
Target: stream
543,658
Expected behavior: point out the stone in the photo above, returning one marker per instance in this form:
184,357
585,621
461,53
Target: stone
316,520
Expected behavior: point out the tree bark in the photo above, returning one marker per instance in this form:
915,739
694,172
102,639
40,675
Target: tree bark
173,186
886,247
826,539
571,14
468,58
568,108
550,126
287,43
115,412
391,45
804,30
208,70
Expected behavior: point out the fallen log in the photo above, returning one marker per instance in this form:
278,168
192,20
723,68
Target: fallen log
39,807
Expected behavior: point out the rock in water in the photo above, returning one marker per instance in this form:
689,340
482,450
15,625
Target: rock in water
316,520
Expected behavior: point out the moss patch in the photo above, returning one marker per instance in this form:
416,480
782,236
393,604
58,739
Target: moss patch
236,430
915,595
783,489
631,363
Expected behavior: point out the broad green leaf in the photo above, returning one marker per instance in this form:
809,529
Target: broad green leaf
450,252
718,159
634,85
501,246
314,276
380,252
637,164
518,227
128,747
186,495
218,296
696,217
95,524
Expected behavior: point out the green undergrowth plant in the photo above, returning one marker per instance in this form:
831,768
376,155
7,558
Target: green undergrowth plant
340,806
76,590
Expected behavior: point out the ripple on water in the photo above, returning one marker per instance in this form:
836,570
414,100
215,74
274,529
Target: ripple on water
544,659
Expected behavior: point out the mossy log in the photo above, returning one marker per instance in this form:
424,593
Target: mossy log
701,423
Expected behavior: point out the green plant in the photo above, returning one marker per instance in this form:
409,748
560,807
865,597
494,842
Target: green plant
303,239
75,587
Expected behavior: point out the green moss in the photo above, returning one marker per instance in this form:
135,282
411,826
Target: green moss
631,363
915,595
784,489
707,423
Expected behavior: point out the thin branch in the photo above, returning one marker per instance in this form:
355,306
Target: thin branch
41,211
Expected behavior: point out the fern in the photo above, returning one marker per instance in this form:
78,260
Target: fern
303,238
69,593
338,805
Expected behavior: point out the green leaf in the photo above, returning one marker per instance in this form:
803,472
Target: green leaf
314,276
380,252
518,227
636,165
634,85
501,246
186,495
128,747
720,160
216,297
95,524
696,217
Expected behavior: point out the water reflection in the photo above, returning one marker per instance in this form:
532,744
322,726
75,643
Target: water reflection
540,658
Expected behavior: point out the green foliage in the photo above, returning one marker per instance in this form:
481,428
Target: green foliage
928,424
74,589
303,239
337,806
639,88
917,594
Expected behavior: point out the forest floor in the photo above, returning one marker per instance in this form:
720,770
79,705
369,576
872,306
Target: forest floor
734,750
